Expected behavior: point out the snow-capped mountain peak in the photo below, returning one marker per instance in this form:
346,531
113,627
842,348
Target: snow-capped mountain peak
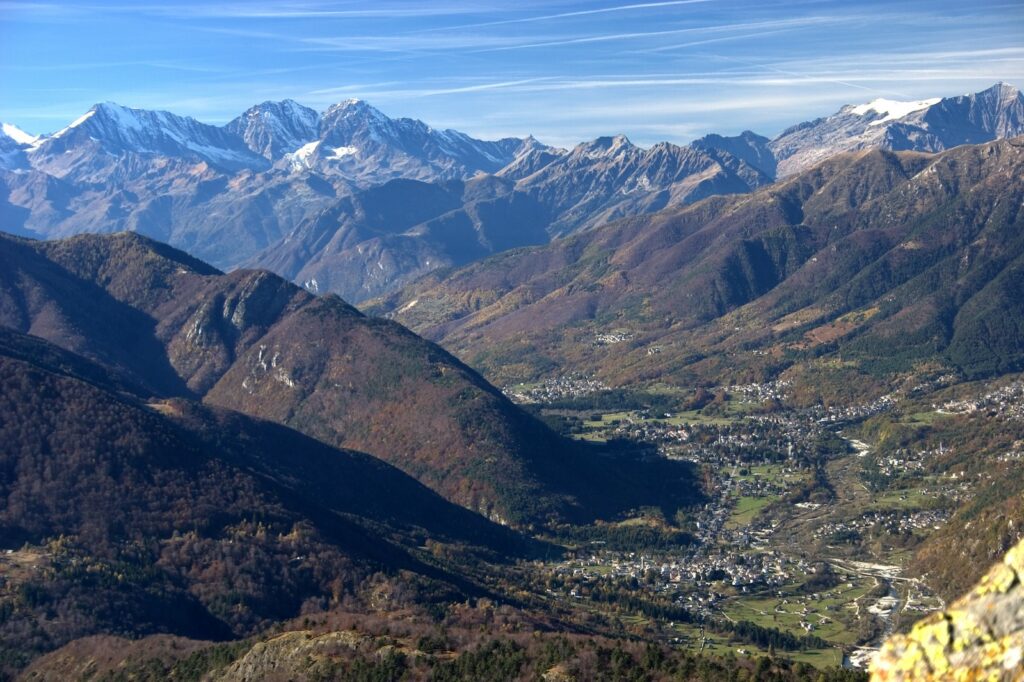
273,129
354,117
924,125
118,129
890,109
605,146
121,121
1003,89
352,107
363,136
14,143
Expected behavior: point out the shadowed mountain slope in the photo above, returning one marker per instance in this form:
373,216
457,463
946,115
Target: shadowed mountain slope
130,515
252,342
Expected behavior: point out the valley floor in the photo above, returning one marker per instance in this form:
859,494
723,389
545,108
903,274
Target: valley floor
807,544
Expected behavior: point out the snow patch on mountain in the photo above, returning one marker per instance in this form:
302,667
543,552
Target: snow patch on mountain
74,124
301,158
17,134
339,152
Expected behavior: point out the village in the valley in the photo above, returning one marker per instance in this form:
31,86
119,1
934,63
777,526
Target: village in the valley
794,535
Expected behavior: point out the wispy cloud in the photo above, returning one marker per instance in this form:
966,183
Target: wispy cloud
711,41
733,81
48,8
433,92
87,66
489,42
263,10
868,61
716,28
674,106
583,13
438,42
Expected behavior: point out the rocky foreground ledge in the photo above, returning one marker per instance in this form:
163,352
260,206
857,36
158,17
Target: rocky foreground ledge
979,637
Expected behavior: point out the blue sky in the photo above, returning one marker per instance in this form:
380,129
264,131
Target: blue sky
564,71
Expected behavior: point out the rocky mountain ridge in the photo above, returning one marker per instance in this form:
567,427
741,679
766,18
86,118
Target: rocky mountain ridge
904,251
931,125
273,129
269,187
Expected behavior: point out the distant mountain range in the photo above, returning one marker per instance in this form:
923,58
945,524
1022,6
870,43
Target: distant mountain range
314,196
884,259
927,126
222,193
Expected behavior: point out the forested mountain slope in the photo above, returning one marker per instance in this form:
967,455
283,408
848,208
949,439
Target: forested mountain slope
886,257
254,343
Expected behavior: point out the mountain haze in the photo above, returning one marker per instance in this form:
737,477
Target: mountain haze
222,193
610,177
388,235
94,143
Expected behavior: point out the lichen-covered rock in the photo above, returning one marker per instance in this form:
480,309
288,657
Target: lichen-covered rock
979,637
293,656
